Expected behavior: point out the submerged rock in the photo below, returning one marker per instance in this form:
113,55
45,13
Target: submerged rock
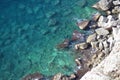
82,3
64,44
81,72
52,22
77,36
67,12
50,14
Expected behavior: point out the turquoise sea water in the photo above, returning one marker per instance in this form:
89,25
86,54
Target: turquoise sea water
30,31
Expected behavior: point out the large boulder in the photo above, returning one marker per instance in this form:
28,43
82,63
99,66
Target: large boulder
83,24
116,2
102,31
103,5
116,9
91,38
96,16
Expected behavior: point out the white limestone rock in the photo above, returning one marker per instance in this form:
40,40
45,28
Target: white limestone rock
103,5
109,68
116,2
102,31
91,38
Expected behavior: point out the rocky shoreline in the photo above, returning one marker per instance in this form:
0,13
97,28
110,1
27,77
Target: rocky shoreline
95,47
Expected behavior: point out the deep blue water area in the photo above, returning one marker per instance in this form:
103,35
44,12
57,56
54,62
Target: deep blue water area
30,31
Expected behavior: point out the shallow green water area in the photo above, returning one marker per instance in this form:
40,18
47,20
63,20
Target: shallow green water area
30,31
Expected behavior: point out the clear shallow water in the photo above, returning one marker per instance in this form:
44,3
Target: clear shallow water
30,31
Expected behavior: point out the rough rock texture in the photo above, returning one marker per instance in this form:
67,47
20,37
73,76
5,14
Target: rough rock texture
57,76
83,24
116,2
103,5
81,46
102,31
109,68
91,38
34,76
96,16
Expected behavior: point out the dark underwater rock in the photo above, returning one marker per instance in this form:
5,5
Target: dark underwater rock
50,14
52,22
64,44
82,3
77,36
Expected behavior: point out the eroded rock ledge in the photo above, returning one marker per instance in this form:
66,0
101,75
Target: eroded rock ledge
108,68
